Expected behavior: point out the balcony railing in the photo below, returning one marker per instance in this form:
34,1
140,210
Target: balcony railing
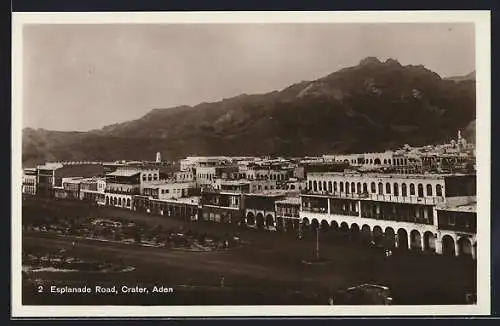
397,218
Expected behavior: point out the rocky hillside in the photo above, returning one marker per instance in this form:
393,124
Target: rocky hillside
369,107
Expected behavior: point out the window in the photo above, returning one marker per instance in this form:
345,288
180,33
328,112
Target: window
341,184
412,189
150,177
365,187
387,188
335,186
320,186
329,186
396,189
359,187
143,177
310,185
324,185
353,187
420,190
347,187
451,220
315,185
403,190
439,191
429,190
373,188
380,188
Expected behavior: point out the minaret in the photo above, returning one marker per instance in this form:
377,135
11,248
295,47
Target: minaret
158,157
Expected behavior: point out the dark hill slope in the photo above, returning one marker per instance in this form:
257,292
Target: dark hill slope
373,106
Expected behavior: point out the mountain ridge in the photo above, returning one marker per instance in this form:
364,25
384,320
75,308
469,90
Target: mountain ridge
372,106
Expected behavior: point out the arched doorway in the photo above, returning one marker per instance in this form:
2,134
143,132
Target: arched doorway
324,225
465,247
402,239
366,235
269,220
448,245
416,240
355,233
107,201
429,242
305,224
250,219
390,238
378,236
279,223
314,224
344,231
260,220
334,226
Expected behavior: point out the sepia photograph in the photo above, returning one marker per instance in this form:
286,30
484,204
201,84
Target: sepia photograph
251,164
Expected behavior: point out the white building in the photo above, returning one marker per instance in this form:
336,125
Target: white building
390,209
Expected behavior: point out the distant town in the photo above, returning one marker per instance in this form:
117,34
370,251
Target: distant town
414,198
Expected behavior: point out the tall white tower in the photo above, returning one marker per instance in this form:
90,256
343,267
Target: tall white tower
158,157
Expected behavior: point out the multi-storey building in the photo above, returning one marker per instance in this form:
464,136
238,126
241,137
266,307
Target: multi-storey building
259,209
122,185
186,208
93,190
389,209
29,181
222,206
288,213
168,189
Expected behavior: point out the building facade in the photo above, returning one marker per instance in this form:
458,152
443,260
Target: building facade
390,210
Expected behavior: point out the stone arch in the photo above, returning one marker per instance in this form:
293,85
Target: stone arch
366,234
260,220
280,224
330,189
387,188
355,232
115,201
315,185
402,239
390,237
365,187
464,247
314,224
373,188
429,241
377,161
412,189
353,188
269,220
250,219
416,240
334,226
128,202
344,228
347,187
305,221
324,186
378,235
448,245
358,186
324,225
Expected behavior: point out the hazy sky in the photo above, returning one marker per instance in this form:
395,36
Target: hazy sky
82,77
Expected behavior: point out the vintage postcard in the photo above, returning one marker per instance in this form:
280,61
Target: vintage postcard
251,164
